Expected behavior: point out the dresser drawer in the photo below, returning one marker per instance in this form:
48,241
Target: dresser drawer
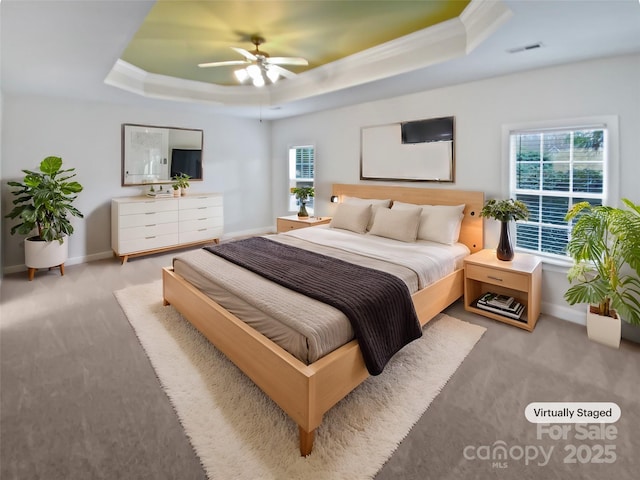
201,212
494,276
147,206
200,201
151,242
146,231
149,218
286,225
205,233
197,224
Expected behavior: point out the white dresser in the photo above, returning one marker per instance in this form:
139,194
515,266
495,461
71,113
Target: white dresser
144,225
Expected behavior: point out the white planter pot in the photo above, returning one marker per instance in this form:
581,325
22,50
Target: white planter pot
38,254
605,330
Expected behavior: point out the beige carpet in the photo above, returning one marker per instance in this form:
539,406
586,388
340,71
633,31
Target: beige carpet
239,433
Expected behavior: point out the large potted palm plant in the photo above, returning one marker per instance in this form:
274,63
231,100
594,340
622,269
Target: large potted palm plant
605,247
43,204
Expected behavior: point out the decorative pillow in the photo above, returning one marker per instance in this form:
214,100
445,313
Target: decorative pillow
438,223
374,202
399,224
351,217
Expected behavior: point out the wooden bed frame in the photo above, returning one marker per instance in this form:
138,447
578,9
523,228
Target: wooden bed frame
306,392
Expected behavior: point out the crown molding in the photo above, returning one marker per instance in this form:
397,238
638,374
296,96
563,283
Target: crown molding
481,19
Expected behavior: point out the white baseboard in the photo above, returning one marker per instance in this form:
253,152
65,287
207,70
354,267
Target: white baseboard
70,261
574,315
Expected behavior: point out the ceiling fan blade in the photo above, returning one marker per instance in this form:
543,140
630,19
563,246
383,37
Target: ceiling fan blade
221,64
282,71
287,61
245,53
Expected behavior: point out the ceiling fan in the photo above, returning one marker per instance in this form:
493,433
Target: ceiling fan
259,65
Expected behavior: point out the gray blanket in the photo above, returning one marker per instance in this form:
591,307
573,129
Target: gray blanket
377,304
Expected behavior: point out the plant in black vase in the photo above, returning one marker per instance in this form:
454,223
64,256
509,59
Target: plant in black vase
504,211
302,195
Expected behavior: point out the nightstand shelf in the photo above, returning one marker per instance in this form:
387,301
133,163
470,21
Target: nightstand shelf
292,222
520,278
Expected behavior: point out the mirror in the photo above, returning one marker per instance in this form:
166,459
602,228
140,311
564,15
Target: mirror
152,155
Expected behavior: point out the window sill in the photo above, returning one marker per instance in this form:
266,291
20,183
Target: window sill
552,263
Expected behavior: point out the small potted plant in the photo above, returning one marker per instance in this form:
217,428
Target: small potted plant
43,203
181,181
504,211
605,248
303,194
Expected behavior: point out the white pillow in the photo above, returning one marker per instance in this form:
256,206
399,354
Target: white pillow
374,202
399,224
438,223
351,217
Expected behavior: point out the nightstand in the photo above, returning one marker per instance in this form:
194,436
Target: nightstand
520,278
292,222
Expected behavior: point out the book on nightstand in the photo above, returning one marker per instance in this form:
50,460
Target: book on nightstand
501,304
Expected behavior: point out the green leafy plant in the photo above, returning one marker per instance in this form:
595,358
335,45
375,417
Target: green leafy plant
605,247
44,201
303,193
181,181
505,210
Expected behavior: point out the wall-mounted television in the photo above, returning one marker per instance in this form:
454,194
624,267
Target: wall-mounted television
430,130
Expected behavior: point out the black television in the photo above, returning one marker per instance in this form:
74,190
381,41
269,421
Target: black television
186,161
431,130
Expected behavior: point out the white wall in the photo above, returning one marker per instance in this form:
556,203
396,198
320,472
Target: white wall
602,87
87,136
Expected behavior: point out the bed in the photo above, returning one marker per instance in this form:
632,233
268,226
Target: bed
305,390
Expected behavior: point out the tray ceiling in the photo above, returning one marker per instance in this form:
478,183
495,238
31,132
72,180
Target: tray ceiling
177,35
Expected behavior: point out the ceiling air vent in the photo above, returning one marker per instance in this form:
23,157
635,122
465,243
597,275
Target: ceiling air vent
532,46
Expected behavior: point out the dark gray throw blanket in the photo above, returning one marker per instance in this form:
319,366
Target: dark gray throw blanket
377,304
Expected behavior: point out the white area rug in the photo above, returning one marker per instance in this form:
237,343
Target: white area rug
239,433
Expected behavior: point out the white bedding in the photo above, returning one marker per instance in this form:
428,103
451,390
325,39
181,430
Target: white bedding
429,260
306,328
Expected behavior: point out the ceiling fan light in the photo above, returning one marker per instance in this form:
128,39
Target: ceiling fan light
241,74
273,75
254,71
258,81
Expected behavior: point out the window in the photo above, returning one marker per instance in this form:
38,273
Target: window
301,173
551,170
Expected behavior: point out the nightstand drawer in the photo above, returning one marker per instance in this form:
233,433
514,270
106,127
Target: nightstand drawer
286,225
497,277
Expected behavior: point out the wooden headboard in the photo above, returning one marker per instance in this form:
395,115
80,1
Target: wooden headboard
472,228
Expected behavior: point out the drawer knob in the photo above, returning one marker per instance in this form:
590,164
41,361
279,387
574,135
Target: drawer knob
494,278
